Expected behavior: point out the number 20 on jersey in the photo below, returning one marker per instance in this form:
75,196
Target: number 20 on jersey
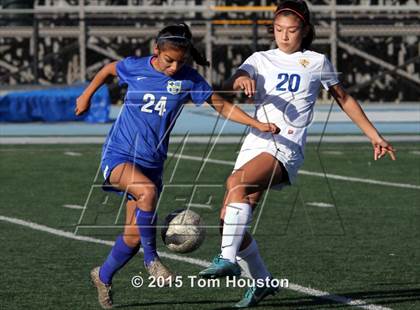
288,82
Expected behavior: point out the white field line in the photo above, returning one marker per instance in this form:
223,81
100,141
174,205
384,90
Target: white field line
320,204
72,153
194,261
352,179
199,205
332,152
310,173
77,207
340,299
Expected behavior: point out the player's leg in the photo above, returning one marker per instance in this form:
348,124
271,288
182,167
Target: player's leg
256,175
248,257
251,262
130,178
131,231
126,247
253,198
127,177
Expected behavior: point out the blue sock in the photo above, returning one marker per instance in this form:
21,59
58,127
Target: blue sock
146,220
120,254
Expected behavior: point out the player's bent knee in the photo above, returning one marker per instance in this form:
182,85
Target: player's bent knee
132,240
149,196
236,190
232,182
146,195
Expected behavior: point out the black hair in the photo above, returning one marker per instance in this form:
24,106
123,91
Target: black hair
179,36
300,9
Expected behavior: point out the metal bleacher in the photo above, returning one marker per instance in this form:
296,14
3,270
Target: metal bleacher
44,42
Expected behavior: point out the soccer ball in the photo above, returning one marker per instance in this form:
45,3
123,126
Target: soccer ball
183,231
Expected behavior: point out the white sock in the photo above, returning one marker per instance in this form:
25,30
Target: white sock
237,217
252,263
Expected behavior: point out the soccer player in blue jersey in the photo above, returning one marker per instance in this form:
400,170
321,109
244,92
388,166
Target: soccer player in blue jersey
136,147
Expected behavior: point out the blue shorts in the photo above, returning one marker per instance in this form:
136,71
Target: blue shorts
110,162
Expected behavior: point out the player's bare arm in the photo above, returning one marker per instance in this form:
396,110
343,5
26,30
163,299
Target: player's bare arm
353,109
241,81
233,113
83,102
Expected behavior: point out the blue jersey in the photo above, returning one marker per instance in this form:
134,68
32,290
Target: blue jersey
151,106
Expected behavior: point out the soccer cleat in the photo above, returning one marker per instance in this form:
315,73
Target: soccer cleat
158,270
255,294
221,267
104,290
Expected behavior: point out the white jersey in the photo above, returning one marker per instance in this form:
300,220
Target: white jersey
287,87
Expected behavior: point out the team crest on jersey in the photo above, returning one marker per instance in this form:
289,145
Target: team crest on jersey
174,87
304,62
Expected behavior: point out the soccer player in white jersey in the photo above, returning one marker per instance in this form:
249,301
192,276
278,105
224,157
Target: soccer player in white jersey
285,83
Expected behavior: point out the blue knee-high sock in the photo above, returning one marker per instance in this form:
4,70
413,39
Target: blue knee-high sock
120,254
146,220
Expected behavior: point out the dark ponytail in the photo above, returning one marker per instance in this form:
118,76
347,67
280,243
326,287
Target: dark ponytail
301,10
180,36
198,57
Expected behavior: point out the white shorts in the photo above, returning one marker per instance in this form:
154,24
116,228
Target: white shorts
254,145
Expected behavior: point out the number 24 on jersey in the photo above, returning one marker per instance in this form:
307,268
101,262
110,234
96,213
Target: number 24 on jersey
150,106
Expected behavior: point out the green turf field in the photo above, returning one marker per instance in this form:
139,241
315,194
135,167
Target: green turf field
365,247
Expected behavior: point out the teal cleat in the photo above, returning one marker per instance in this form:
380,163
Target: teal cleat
220,267
255,294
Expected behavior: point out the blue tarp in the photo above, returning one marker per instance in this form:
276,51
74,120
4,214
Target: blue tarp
53,105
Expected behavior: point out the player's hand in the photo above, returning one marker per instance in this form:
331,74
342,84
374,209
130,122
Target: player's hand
82,105
246,84
267,127
381,147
